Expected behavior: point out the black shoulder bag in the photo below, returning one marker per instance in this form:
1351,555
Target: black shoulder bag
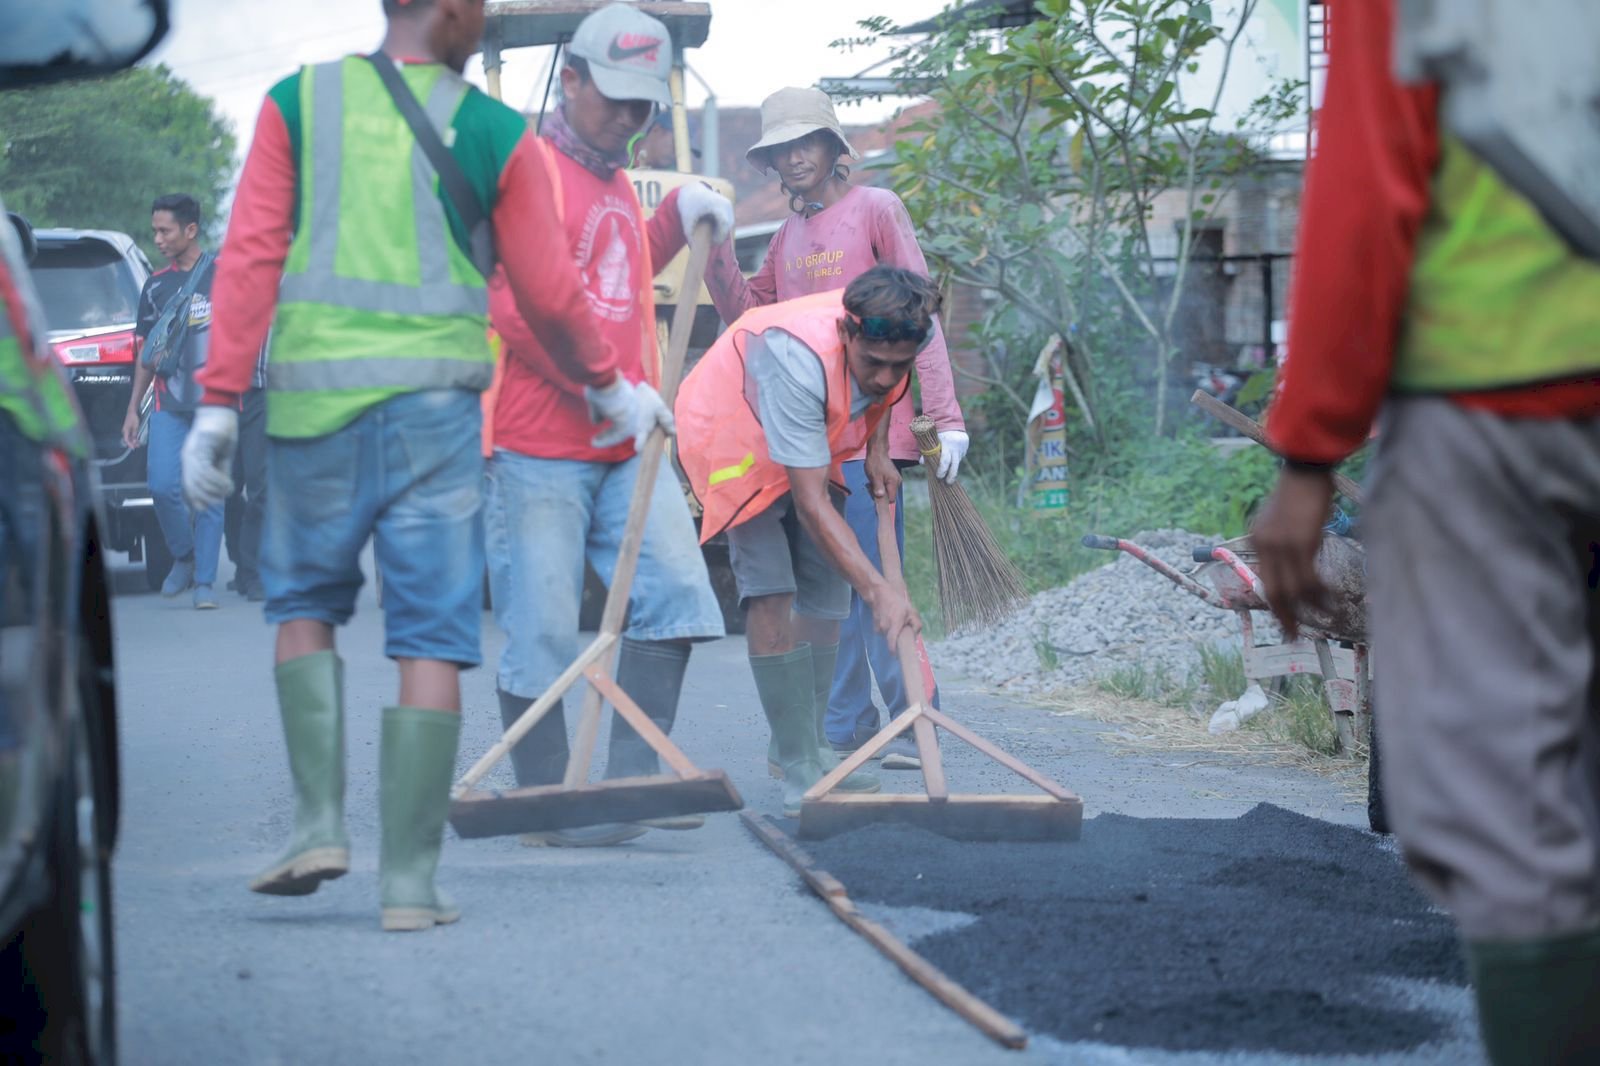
480,234
163,347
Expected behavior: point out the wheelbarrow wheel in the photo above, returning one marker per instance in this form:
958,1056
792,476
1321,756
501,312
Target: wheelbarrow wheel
1377,814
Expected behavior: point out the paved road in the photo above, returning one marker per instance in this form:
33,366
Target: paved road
679,948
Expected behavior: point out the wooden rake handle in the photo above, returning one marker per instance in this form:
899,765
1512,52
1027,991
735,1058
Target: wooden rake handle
650,458
1242,422
916,671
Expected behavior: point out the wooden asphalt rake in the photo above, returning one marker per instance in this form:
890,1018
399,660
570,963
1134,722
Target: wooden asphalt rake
576,801
1057,814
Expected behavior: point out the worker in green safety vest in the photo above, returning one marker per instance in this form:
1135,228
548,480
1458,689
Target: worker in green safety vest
360,253
1428,286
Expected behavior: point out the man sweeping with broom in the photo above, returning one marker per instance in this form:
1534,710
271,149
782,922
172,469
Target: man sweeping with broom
764,421
351,223
836,233
555,493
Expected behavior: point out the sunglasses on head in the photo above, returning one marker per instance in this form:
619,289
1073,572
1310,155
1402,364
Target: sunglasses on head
890,330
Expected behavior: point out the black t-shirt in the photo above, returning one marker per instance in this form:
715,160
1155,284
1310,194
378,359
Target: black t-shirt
180,391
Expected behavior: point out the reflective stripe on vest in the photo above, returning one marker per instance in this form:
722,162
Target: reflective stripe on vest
321,282
1497,297
377,298
728,473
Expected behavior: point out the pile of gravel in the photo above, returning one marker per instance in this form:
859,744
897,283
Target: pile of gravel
1120,614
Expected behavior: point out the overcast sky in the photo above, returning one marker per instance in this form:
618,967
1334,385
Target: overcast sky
234,50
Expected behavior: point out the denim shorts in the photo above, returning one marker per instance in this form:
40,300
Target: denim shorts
543,517
407,473
773,555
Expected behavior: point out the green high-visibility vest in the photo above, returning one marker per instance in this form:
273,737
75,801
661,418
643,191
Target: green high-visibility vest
39,404
377,297
1497,297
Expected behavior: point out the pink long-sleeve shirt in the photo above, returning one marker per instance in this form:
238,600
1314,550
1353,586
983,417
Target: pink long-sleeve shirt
828,251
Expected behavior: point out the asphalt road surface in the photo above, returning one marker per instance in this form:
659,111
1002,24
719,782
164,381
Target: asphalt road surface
679,948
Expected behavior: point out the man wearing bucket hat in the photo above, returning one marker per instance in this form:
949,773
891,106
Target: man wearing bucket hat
838,232
554,495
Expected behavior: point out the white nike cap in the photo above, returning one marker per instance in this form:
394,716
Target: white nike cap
629,54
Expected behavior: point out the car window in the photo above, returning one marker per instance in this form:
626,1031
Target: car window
85,285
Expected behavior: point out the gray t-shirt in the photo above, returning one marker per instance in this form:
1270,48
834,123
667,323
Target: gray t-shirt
793,398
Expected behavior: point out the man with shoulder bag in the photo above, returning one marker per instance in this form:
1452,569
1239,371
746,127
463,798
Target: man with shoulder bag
174,330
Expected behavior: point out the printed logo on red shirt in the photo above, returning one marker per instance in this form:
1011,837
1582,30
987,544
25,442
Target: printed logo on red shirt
606,253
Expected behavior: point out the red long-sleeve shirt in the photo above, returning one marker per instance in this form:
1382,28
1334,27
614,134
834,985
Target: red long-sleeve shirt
1368,188
528,238
540,409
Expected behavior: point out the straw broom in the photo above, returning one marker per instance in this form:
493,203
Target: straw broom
977,583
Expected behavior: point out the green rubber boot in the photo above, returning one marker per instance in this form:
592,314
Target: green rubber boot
785,687
1538,1000
311,703
416,761
822,664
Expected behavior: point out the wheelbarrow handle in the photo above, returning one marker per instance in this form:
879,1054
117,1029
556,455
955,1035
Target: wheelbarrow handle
1096,540
1204,554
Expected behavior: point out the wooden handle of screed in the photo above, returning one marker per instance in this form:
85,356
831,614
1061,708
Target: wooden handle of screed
916,674
650,458
1252,429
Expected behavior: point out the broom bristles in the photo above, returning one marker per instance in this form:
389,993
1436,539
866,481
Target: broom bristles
977,583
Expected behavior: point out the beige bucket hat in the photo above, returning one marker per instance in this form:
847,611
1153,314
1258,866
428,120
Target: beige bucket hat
789,114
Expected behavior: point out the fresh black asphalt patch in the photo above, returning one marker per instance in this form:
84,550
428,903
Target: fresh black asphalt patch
1272,932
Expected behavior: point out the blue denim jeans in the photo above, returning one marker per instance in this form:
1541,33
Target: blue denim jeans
408,475
185,532
863,652
543,516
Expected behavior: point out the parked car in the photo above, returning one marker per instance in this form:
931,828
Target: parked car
58,727
89,283
58,747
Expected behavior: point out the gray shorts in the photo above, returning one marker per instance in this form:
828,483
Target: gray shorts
772,555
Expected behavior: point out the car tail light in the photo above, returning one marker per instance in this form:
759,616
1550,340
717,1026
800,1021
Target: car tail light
108,348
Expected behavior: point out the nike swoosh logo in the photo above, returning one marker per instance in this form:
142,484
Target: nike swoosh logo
619,54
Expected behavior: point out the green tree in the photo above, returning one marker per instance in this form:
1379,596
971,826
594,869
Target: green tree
1039,177
93,154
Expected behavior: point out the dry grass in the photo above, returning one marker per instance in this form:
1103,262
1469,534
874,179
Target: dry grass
1272,737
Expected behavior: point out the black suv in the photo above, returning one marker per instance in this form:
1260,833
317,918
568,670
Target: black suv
89,283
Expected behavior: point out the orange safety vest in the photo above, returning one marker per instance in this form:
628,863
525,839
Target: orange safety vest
721,444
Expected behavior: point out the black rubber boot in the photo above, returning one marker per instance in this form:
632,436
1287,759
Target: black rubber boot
1539,1000
652,673
540,758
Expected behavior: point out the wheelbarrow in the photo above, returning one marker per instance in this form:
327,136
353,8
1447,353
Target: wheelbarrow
1333,640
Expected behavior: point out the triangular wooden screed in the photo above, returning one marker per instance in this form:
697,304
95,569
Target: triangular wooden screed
576,801
1057,814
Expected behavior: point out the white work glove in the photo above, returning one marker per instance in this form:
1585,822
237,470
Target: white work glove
632,410
953,445
207,457
697,201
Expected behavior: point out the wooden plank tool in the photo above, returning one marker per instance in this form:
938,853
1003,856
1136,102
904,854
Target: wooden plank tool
1056,814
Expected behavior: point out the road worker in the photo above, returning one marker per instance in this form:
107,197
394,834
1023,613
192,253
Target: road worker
1431,288
824,372
839,230
554,497
345,228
